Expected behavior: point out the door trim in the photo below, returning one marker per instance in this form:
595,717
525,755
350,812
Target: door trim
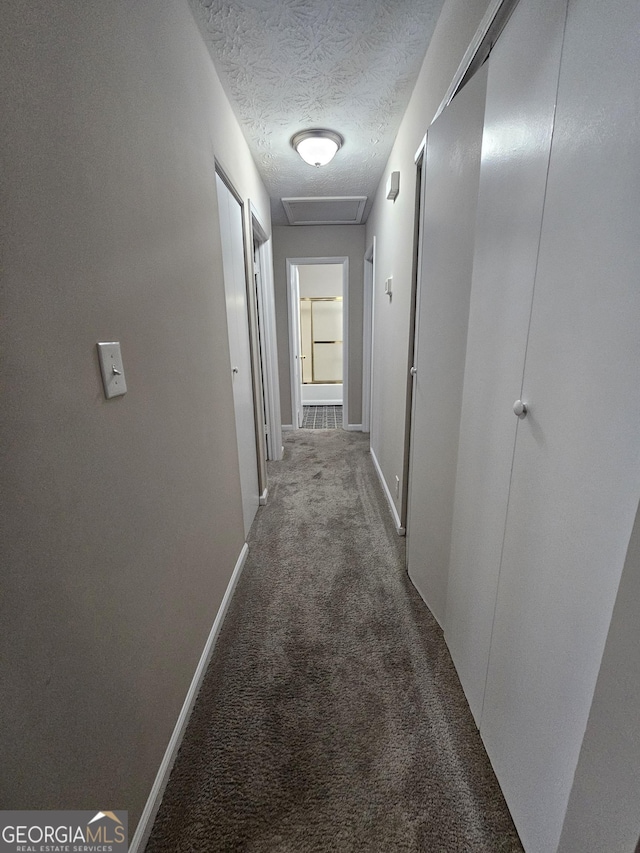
293,292
490,27
367,334
416,287
268,340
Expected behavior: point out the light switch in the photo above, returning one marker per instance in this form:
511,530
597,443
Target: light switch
388,286
112,369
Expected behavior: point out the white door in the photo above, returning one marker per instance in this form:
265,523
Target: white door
446,255
576,470
519,113
239,347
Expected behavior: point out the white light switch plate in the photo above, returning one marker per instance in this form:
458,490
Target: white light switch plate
112,369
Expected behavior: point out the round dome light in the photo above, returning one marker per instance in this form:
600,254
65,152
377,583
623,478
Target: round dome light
317,147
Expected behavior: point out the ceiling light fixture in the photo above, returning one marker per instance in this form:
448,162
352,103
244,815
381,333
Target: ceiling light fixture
317,147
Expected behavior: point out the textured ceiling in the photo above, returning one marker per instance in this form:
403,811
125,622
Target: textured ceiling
288,65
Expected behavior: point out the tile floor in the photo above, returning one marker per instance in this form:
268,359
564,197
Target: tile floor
322,417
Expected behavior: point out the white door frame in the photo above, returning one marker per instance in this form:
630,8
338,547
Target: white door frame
294,334
295,367
268,340
367,334
421,181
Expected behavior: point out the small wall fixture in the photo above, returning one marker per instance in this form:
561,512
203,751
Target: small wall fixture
393,186
317,147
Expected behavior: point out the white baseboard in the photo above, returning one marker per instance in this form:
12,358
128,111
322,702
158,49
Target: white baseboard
394,512
263,497
326,402
145,824
286,427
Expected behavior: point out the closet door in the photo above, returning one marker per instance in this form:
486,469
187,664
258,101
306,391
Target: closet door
576,470
239,348
519,113
449,205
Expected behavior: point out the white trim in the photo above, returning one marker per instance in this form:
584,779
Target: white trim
263,497
292,265
421,149
367,334
372,403
488,31
268,338
334,402
352,427
287,428
293,299
225,175
145,824
394,512
421,164
345,340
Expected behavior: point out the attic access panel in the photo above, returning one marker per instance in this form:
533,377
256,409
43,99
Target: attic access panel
332,210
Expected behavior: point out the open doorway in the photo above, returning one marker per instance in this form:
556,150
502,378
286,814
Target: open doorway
318,343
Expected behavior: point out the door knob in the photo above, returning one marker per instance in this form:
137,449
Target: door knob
234,370
520,409
413,371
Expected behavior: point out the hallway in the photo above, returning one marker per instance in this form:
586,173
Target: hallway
331,717
490,350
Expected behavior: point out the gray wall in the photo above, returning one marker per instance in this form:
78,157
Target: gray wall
320,241
122,519
392,224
